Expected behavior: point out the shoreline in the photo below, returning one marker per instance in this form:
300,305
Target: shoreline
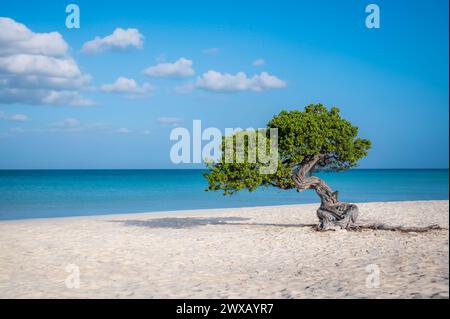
250,252
184,212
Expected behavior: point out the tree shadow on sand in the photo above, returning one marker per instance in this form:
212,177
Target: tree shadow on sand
190,222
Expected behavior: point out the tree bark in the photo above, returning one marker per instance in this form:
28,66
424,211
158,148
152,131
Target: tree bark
331,213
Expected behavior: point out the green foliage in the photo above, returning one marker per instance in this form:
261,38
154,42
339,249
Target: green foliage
301,135
317,131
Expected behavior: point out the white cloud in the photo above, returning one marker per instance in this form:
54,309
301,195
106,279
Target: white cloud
180,68
17,38
185,88
67,123
19,118
120,40
17,130
126,86
70,98
123,130
172,121
14,117
74,125
43,96
161,58
39,65
225,82
211,50
259,62
35,68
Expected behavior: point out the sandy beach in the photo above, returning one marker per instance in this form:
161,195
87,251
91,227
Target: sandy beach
261,252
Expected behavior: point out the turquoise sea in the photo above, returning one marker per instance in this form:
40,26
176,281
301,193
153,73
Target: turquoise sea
54,193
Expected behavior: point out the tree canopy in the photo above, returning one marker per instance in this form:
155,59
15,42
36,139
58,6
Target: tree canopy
313,139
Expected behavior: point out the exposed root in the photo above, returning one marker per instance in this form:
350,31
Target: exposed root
402,229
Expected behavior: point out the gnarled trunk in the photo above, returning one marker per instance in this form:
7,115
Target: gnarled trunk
332,213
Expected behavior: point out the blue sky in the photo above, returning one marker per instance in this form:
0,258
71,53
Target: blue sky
392,82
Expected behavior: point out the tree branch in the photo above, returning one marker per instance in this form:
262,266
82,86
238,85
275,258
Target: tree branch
307,166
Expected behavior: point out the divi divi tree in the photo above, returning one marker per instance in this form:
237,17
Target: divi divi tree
308,141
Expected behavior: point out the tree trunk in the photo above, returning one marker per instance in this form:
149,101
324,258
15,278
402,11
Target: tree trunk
332,213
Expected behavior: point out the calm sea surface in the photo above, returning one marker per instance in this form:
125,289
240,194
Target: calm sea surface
52,193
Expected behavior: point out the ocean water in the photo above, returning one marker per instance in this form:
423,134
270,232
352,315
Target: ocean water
55,193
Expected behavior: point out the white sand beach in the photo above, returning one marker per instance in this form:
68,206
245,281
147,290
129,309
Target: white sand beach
262,252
